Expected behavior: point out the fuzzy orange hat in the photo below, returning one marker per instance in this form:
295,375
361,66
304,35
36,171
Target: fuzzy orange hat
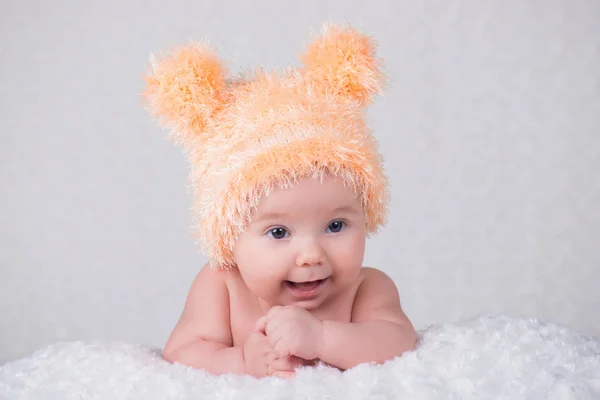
248,134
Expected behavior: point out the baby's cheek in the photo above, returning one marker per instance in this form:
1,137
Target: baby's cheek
350,271
265,284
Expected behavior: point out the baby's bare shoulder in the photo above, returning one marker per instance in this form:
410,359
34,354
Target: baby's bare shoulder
227,284
208,287
221,278
206,311
208,277
377,295
373,277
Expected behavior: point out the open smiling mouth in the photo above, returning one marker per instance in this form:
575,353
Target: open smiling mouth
305,288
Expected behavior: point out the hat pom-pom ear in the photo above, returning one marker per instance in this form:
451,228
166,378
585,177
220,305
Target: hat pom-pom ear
345,62
184,89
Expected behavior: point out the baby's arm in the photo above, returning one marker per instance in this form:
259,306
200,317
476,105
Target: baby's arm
379,330
202,337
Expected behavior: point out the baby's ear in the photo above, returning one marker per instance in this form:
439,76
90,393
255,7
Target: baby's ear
184,89
345,62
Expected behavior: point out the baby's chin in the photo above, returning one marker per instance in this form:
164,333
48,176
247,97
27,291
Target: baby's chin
310,306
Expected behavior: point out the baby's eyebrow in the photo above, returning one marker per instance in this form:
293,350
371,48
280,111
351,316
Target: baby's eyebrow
270,215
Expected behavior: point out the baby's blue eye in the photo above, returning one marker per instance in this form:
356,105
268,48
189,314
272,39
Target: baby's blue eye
336,226
278,233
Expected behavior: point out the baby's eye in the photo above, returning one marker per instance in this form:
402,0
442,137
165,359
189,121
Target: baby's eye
278,233
336,226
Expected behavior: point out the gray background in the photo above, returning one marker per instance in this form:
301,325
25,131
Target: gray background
490,132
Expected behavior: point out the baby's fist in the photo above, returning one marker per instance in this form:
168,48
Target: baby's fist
292,331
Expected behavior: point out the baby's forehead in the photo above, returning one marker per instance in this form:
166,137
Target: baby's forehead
308,199
306,210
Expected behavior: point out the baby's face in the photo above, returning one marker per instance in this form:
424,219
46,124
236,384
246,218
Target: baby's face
304,244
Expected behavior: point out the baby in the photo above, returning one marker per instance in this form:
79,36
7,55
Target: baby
288,184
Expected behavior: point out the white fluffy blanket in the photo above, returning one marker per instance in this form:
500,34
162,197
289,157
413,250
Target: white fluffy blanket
485,358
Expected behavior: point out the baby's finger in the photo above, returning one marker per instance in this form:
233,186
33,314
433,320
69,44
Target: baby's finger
282,364
284,374
274,311
275,329
261,324
281,348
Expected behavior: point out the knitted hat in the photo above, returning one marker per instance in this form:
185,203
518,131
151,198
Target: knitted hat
248,134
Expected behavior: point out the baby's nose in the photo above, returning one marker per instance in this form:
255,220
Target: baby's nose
310,253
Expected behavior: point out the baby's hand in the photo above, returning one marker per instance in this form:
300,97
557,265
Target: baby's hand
260,358
285,367
258,354
292,331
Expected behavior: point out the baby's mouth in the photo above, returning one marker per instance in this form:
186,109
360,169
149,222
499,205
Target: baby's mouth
305,286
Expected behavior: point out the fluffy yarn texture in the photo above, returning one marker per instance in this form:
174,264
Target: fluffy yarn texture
484,358
247,134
